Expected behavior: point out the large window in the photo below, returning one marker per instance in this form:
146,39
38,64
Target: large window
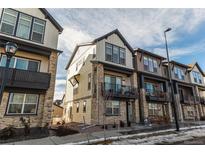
8,22
154,109
153,88
21,63
38,30
197,77
113,108
84,106
113,83
179,73
150,64
115,54
22,25
20,103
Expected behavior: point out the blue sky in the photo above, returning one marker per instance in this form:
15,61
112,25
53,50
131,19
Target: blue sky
142,28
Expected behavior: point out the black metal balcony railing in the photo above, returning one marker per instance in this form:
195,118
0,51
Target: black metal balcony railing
26,79
157,96
118,91
202,100
187,99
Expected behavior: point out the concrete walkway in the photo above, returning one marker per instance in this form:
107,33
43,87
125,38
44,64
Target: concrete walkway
83,138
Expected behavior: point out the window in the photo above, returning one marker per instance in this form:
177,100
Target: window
89,81
84,106
21,63
20,103
114,54
113,83
24,26
179,73
197,77
154,109
8,22
113,108
122,56
77,107
150,64
38,30
153,88
108,52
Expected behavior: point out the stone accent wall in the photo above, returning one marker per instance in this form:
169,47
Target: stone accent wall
47,108
15,120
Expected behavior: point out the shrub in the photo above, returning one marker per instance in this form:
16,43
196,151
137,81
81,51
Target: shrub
202,118
7,132
63,131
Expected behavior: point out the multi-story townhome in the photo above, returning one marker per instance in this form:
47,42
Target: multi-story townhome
31,77
154,97
101,82
197,78
185,94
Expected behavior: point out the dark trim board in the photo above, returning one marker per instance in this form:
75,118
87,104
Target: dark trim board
27,46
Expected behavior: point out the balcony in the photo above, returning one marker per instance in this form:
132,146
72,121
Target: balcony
187,99
202,100
158,96
26,79
118,91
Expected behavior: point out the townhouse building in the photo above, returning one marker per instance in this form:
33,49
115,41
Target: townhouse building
154,100
101,82
108,82
31,76
197,78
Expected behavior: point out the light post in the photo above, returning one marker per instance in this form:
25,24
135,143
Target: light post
10,51
170,82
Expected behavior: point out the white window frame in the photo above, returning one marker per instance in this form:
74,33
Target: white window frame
7,22
20,16
44,25
15,61
23,105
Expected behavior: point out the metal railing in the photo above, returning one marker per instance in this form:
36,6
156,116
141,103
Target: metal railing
26,79
119,91
157,95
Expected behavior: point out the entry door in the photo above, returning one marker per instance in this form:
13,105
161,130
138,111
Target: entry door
129,111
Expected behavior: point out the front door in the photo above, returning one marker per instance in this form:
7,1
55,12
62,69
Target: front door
129,106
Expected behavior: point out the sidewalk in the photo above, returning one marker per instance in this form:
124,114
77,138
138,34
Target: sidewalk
82,138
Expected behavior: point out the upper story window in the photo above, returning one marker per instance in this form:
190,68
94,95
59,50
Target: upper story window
115,54
112,83
150,64
21,63
153,88
179,73
22,25
8,21
89,81
197,77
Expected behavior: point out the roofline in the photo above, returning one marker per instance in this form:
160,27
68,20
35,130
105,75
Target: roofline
116,31
196,64
180,64
99,39
149,53
74,52
53,21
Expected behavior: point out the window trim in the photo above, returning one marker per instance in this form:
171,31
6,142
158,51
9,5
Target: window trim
150,64
22,114
112,45
31,28
1,20
20,57
111,101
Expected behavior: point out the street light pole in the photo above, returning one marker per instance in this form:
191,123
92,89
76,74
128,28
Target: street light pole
10,51
171,83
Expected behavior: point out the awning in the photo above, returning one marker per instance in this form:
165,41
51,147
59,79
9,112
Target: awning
74,79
